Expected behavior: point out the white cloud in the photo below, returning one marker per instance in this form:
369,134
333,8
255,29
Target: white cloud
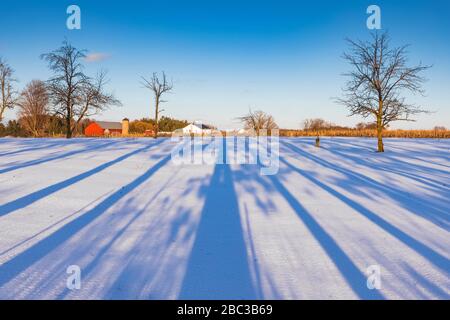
96,57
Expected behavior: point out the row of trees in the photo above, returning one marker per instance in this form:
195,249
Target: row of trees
72,96
47,125
69,95
319,124
51,126
379,77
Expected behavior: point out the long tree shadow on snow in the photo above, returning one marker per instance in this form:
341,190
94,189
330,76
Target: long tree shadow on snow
46,159
14,267
37,195
431,255
350,272
428,211
353,276
218,267
34,148
135,214
438,150
394,163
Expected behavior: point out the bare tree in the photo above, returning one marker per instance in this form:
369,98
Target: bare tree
159,86
258,120
380,75
33,107
92,99
315,124
8,95
66,85
75,95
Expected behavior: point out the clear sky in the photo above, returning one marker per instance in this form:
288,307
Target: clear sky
283,57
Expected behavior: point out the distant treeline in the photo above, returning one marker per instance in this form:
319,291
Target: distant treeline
165,124
49,126
435,133
321,127
54,126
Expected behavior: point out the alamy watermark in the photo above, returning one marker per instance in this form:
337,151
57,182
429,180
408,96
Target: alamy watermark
374,277
73,281
73,21
374,20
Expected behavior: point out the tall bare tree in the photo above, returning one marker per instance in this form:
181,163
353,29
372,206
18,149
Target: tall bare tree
33,108
74,95
158,85
258,120
379,77
66,85
8,95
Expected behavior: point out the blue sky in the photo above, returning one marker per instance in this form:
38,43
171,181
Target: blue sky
283,57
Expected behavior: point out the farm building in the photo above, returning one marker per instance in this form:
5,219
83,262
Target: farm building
101,128
198,128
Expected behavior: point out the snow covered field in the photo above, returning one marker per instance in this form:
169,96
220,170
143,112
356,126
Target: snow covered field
141,227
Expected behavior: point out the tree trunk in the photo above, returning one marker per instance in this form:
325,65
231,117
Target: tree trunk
380,139
68,124
380,128
156,117
2,109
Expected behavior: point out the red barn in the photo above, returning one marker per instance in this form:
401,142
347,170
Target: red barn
100,128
